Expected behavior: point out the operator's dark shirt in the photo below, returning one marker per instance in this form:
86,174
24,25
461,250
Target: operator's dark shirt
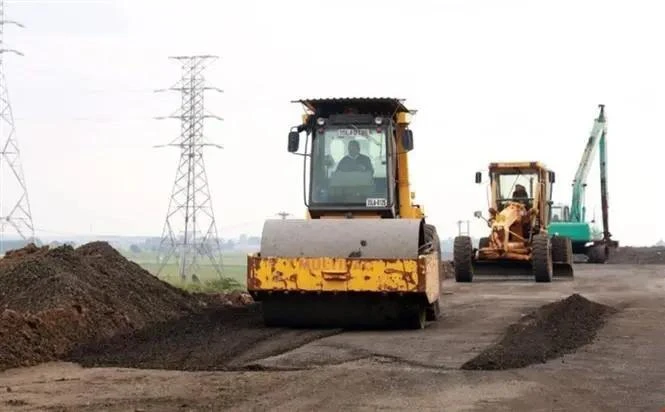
359,164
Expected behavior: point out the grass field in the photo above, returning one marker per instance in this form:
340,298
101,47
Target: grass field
233,272
233,275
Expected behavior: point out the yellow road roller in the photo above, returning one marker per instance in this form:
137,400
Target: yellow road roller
363,256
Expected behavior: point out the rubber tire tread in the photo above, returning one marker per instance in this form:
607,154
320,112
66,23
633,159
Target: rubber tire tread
432,236
562,250
433,311
416,319
541,258
463,259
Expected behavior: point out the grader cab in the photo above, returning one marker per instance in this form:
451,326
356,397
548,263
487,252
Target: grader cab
364,255
518,242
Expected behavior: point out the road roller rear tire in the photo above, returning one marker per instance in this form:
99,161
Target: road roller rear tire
432,237
433,311
416,318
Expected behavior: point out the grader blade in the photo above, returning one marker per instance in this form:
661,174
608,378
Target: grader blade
502,268
508,268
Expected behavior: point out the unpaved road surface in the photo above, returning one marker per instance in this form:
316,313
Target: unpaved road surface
623,369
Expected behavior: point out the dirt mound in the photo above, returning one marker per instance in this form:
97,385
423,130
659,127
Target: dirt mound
26,339
551,331
637,255
54,299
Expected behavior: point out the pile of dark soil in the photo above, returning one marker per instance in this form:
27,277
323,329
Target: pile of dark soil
553,330
54,299
637,255
212,340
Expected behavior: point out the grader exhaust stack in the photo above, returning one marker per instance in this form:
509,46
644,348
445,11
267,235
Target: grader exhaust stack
518,242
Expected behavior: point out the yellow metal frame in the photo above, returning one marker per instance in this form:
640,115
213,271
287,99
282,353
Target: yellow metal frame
325,274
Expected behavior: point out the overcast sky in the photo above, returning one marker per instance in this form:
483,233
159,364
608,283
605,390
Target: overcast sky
509,80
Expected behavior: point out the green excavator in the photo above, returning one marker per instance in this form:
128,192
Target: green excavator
570,220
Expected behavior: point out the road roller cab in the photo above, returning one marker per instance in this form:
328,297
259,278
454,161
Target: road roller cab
363,256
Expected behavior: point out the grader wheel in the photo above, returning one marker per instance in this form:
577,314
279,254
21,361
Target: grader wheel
562,256
463,259
541,258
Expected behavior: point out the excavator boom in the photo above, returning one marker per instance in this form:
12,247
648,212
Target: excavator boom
571,220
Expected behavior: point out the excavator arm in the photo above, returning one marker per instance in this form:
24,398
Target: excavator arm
596,139
602,144
575,226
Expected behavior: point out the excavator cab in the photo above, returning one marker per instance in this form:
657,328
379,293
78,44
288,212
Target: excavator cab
364,255
519,214
559,213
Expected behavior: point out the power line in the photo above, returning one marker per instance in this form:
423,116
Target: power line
190,201
15,210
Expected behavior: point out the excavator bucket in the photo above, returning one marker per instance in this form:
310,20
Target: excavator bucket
345,273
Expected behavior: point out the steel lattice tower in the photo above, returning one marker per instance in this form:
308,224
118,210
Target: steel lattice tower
190,232
14,202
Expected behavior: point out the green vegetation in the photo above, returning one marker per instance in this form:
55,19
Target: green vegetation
209,286
233,276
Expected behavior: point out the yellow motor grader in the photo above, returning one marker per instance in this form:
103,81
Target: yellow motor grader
364,255
518,242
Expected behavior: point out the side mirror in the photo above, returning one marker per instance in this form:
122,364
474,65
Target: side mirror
478,214
294,141
552,177
407,140
479,177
